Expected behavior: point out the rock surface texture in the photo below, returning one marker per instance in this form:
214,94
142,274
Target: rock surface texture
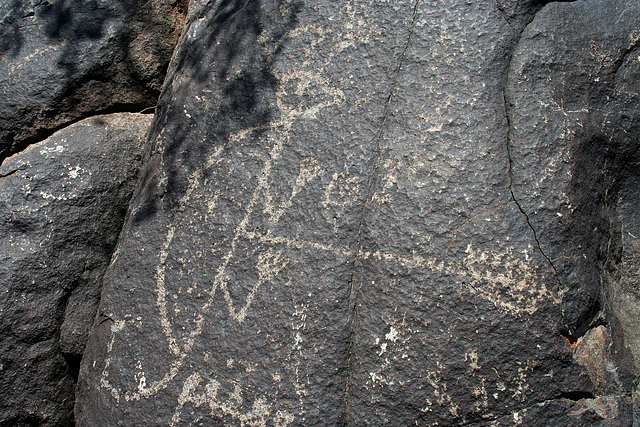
62,205
64,60
382,213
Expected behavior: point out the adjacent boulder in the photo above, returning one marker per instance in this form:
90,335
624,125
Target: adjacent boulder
62,204
64,60
388,214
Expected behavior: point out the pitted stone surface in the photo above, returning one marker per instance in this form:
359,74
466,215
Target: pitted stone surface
62,204
335,226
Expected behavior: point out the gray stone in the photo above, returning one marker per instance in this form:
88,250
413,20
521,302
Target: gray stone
357,214
62,204
64,60
573,95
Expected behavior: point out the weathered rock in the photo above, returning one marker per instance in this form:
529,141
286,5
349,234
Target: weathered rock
338,223
573,94
62,204
520,13
64,60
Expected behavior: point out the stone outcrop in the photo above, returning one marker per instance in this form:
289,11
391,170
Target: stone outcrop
400,213
63,200
351,213
62,205
64,60
572,103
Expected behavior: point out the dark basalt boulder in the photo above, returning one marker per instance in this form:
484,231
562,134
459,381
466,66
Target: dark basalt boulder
399,213
62,205
573,93
64,60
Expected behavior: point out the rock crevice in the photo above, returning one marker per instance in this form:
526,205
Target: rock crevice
507,117
354,283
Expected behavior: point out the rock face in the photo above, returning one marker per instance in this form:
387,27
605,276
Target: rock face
62,204
573,94
64,60
405,213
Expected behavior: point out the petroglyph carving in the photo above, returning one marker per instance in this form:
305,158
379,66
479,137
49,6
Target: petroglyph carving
251,240
257,415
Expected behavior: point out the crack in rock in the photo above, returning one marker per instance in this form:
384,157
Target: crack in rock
375,162
508,146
